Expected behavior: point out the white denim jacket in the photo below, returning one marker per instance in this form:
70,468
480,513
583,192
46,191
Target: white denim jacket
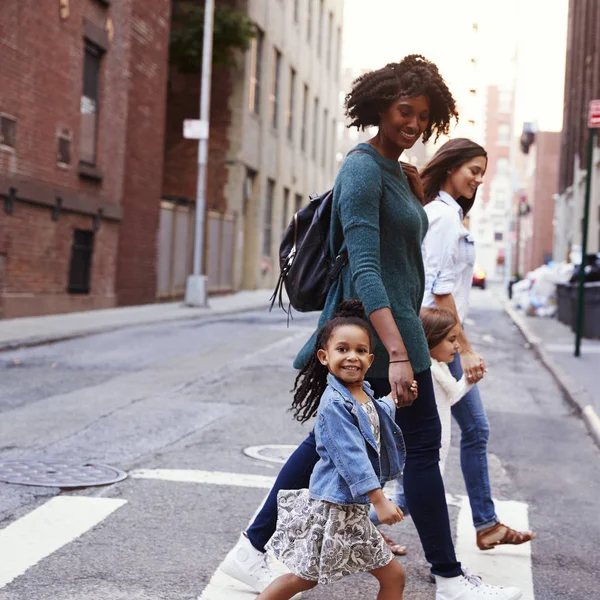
448,254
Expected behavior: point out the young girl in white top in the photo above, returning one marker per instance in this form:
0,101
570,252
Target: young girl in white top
442,330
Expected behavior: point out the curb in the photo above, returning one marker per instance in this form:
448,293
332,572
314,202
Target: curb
576,396
54,338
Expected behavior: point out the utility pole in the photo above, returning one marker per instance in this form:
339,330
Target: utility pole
593,124
196,286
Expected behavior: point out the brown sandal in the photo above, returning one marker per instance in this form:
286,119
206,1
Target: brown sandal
396,549
500,534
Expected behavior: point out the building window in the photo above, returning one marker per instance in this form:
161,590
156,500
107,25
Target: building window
334,142
325,138
320,27
291,105
329,39
285,210
338,53
81,262
505,102
297,203
502,166
268,224
274,96
498,236
296,11
63,153
315,128
303,131
256,56
89,104
309,19
8,131
504,134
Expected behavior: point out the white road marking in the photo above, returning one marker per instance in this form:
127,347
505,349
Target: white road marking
48,528
207,477
505,565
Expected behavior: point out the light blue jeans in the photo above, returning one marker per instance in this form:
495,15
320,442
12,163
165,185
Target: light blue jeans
470,415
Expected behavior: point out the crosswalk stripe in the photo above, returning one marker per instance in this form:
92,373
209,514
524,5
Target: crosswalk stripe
27,541
504,565
209,477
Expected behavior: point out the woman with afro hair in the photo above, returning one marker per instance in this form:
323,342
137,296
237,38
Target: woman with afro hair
378,217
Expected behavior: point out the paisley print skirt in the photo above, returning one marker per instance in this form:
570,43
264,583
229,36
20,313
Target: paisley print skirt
321,541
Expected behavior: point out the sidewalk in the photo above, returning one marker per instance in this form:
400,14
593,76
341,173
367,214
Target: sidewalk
579,377
32,331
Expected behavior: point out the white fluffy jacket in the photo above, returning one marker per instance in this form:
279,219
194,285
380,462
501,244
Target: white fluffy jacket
448,392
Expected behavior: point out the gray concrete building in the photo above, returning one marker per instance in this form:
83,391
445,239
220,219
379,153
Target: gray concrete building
285,116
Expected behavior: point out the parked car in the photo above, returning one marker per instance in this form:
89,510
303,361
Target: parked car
479,277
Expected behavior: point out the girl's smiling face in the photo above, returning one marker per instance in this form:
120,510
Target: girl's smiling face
446,350
465,180
347,354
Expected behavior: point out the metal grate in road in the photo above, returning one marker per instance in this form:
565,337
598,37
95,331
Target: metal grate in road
275,453
58,473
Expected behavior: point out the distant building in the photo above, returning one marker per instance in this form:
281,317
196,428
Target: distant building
274,122
491,214
82,100
582,84
533,204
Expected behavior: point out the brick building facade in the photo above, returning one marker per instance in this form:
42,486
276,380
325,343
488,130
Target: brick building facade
82,102
582,84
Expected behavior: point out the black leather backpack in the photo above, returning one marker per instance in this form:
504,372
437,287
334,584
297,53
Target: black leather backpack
307,267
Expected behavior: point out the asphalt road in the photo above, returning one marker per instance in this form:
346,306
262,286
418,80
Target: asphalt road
191,396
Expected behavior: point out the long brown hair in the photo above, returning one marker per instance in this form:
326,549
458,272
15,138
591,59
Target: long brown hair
452,155
437,324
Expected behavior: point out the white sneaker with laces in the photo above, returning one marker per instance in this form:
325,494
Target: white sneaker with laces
247,564
471,587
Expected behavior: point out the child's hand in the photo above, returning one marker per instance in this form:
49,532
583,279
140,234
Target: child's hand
414,389
387,512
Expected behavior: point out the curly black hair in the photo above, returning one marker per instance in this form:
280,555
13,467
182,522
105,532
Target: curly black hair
312,379
373,92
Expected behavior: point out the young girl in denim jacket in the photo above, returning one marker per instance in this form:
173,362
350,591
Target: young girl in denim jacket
324,533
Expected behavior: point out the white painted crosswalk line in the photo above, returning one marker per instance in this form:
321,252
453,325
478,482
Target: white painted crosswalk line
209,477
48,528
505,565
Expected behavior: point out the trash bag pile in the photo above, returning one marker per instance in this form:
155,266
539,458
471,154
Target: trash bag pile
536,294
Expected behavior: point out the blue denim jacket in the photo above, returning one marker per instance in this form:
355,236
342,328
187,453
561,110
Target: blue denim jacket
350,465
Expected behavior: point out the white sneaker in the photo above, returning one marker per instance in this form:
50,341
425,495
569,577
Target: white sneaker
247,564
471,587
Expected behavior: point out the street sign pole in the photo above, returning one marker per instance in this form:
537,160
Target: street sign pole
593,124
196,288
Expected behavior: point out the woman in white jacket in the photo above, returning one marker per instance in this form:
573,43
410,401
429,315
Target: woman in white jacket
450,181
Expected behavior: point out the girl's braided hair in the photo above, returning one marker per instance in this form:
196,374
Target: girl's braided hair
312,379
413,76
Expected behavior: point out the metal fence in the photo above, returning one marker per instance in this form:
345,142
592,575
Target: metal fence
175,249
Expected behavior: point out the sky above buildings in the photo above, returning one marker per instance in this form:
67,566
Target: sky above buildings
519,43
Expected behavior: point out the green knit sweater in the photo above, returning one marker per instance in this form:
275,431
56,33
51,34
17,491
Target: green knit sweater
382,224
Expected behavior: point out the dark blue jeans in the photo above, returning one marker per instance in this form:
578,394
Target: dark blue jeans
423,485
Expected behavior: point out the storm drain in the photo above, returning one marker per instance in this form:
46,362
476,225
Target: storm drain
59,474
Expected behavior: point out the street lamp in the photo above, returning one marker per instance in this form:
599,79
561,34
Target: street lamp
196,285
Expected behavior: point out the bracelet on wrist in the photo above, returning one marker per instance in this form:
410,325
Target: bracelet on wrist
399,361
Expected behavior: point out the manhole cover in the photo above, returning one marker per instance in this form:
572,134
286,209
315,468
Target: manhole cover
61,474
270,453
